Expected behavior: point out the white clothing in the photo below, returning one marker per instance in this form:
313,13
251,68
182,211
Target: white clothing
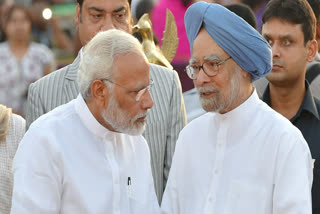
250,160
68,163
16,75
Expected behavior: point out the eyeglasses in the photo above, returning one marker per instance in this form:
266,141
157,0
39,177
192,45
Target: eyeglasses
210,68
139,93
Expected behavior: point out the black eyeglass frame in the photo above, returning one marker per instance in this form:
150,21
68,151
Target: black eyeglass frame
191,73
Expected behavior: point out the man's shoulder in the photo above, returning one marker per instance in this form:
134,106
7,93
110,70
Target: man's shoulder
161,71
51,79
276,126
53,118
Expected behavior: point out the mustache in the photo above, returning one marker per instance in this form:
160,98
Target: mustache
141,115
277,62
206,89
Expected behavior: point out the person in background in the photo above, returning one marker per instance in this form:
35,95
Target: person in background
12,128
22,61
289,27
244,12
48,32
313,68
258,7
241,157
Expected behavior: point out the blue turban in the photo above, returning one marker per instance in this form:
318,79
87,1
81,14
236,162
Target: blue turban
234,35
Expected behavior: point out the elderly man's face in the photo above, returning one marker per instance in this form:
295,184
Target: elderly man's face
218,93
101,15
124,113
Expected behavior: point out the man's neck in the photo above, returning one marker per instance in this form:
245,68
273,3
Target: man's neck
287,100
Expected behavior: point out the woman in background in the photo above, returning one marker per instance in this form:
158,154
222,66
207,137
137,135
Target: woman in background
22,61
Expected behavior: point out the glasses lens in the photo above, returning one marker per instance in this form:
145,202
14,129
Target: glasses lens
191,72
211,68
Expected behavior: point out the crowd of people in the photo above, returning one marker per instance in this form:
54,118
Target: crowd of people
233,128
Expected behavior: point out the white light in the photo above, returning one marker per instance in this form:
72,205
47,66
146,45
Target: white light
47,13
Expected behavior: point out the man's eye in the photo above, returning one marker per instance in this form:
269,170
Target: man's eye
96,16
286,42
212,64
269,41
120,15
195,67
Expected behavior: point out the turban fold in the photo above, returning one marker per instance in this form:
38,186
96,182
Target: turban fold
234,35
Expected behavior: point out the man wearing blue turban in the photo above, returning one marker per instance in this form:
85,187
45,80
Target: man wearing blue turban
241,157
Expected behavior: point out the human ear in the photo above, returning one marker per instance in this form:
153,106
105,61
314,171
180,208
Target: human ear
312,48
99,92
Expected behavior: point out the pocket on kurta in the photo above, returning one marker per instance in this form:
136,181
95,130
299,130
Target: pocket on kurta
245,198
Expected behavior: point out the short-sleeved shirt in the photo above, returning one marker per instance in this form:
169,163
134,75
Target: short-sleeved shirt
16,75
308,122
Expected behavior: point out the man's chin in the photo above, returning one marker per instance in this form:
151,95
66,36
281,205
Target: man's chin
138,129
208,106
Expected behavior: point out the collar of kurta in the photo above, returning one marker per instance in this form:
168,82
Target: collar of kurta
91,122
308,103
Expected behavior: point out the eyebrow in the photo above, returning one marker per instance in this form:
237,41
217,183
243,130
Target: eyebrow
212,57
193,60
119,9
282,37
96,9
102,10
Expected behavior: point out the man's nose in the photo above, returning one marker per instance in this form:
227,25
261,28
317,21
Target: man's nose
202,78
275,50
147,101
107,24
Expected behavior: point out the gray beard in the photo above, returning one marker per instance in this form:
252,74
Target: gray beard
121,121
218,102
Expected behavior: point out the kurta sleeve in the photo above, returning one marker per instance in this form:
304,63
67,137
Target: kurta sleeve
293,177
37,175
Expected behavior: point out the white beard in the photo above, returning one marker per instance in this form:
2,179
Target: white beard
121,121
218,102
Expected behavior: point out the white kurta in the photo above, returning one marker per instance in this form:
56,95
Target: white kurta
68,163
248,161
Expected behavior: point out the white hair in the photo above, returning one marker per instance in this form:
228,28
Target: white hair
99,54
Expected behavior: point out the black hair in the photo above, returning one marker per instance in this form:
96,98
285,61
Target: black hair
293,11
244,12
144,6
80,2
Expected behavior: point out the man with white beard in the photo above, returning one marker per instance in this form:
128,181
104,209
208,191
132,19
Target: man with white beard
241,157
88,156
